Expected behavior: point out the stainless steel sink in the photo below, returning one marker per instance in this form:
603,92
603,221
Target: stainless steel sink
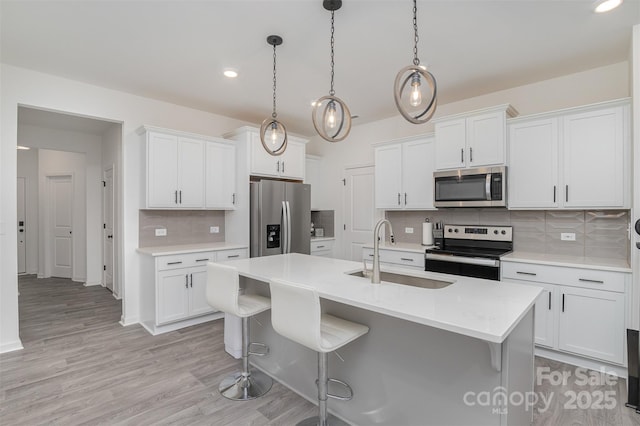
405,279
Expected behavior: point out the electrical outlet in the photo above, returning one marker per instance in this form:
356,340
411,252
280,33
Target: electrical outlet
568,236
214,229
408,230
161,232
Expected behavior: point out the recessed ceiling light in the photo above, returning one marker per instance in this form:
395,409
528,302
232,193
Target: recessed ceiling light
23,147
607,5
230,73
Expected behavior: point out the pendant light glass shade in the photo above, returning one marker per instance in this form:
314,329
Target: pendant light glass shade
415,89
273,134
331,116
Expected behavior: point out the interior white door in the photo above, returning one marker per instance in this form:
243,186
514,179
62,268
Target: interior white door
22,234
360,212
107,231
61,216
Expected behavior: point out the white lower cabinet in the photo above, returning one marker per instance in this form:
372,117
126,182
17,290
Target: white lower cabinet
323,248
591,323
396,258
580,311
174,289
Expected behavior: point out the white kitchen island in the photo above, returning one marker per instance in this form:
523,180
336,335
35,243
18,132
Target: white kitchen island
458,355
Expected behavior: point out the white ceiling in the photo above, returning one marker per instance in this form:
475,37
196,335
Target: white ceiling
176,50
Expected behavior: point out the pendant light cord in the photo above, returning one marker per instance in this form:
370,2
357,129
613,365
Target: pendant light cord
332,92
274,114
416,61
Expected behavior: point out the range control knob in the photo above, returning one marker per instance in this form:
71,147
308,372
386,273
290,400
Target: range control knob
495,231
450,230
455,230
503,232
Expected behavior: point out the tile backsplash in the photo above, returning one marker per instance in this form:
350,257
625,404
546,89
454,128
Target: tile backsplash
599,233
324,219
183,227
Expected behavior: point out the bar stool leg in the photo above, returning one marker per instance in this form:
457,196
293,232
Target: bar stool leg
323,418
248,383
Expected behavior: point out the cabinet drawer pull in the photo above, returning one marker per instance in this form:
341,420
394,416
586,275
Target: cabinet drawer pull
549,300
174,263
319,247
586,280
533,274
407,259
186,281
202,260
232,255
370,255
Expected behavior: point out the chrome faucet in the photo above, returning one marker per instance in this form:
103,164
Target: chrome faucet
375,278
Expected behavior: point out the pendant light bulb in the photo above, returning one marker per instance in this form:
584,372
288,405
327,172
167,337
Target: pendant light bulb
274,133
416,95
331,120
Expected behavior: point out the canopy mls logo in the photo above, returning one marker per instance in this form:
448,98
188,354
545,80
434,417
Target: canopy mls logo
499,398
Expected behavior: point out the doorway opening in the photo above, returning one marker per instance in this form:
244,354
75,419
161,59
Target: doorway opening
69,217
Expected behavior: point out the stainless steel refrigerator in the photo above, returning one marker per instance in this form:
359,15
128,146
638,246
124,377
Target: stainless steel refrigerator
280,218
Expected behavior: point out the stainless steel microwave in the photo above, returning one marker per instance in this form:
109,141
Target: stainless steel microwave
482,187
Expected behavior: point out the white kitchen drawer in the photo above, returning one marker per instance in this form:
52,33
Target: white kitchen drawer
231,254
575,277
326,245
185,260
397,257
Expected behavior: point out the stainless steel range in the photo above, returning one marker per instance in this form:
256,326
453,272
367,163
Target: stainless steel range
471,250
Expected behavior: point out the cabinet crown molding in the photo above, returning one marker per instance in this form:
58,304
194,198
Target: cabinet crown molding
509,110
251,129
429,135
571,110
146,128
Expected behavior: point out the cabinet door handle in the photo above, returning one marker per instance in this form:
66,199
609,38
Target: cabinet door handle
586,280
191,276
180,196
554,193
566,193
233,199
398,198
407,259
533,274
470,154
174,263
283,167
186,281
175,197
405,198
563,302
549,300
462,155
278,166
202,260
231,256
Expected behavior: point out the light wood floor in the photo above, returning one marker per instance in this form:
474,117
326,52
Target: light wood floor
79,366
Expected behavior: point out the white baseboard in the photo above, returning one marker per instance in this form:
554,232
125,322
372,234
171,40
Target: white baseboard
40,276
10,347
129,321
79,279
579,361
90,284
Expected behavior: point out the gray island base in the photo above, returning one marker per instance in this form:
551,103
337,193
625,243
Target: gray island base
403,372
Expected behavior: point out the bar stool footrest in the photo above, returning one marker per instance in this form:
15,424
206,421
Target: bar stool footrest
262,345
315,421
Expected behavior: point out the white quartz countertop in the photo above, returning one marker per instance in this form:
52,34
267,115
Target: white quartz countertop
407,247
189,248
600,263
484,309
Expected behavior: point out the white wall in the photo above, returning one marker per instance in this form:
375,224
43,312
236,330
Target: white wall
90,145
33,89
600,84
55,163
28,168
112,156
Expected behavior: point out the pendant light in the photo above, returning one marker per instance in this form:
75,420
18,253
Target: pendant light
273,134
331,116
415,88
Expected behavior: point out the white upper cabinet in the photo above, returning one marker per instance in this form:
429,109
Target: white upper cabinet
576,158
594,158
187,171
289,165
472,139
533,164
220,181
404,174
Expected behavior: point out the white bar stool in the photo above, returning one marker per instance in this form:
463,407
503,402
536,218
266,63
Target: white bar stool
296,315
223,293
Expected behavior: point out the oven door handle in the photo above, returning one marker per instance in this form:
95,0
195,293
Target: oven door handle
461,259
